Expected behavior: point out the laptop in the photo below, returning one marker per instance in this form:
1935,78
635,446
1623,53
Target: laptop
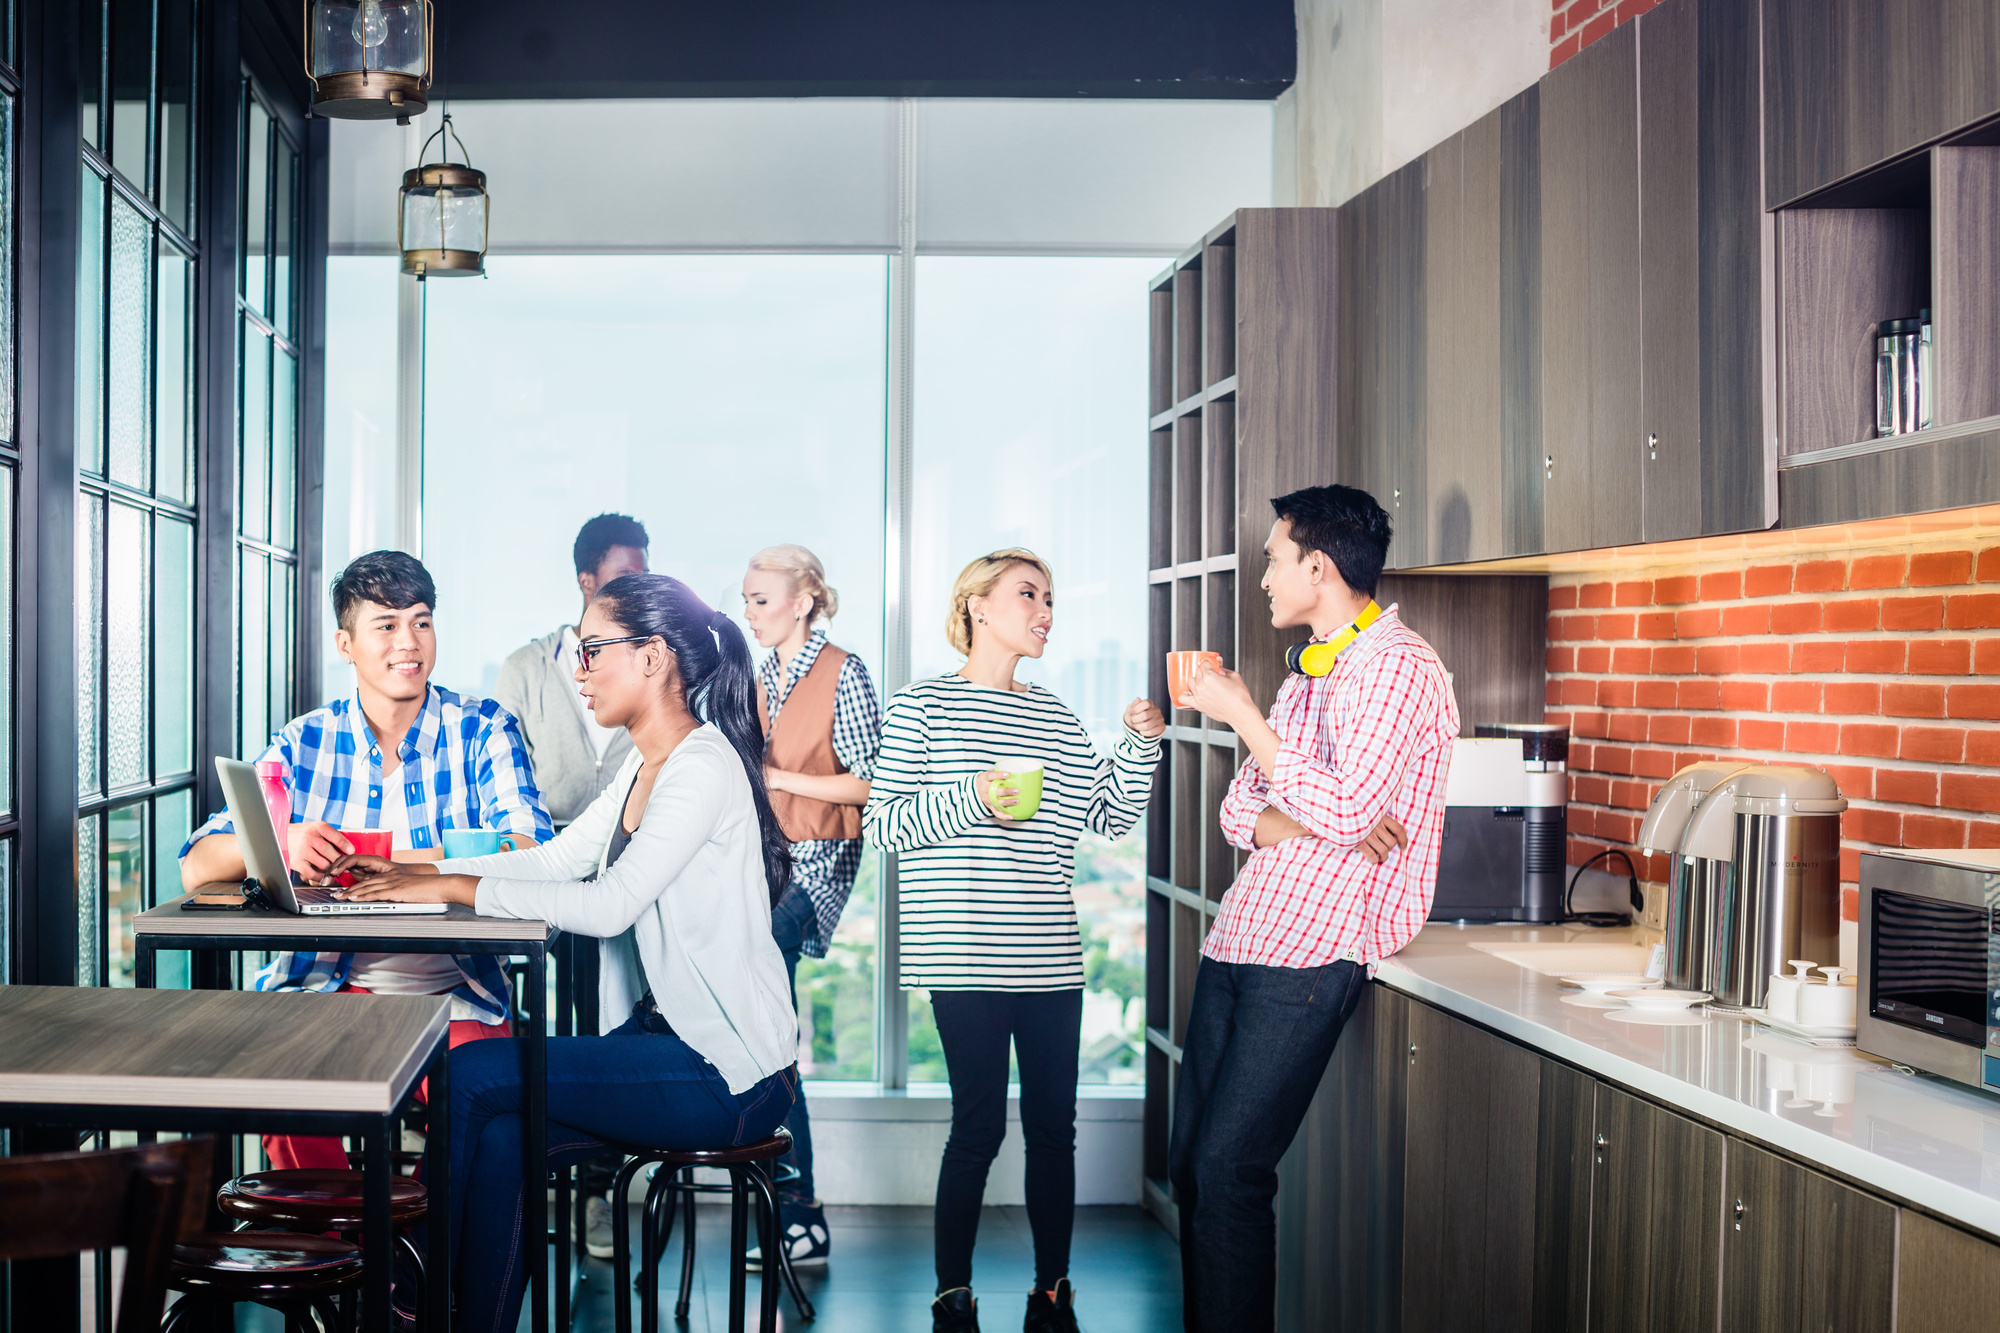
258,837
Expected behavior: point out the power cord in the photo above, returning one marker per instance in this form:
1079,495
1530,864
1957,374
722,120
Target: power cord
1604,920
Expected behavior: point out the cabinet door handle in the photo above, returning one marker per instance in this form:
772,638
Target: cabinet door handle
1603,1142
1413,1052
1653,448
1548,467
1739,1214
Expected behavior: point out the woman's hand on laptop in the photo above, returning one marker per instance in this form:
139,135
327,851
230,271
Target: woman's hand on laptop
398,882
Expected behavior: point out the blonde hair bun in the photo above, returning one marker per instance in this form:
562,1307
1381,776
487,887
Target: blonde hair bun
806,574
978,579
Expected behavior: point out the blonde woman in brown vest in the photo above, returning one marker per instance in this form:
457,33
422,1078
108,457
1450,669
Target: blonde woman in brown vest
823,725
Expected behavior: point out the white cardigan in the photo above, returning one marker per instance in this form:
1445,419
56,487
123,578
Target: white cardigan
684,911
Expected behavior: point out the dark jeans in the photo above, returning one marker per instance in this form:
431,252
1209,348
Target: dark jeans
974,1028
1258,1040
631,1086
792,920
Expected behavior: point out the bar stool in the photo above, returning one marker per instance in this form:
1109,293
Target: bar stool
748,1170
296,1275
657,1219
316,1200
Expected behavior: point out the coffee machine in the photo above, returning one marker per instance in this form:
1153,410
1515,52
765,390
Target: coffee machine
1505,826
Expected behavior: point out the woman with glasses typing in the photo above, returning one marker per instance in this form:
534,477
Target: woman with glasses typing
676,866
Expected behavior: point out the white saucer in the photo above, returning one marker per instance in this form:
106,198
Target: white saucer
1587,1000
1599,983
1661,999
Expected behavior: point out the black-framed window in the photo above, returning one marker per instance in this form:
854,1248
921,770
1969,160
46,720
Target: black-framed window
136,501
267,418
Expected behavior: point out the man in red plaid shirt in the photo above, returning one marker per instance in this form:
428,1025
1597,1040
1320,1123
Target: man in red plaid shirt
1341,806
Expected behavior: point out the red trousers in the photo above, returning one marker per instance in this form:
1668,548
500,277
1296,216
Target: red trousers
286,1151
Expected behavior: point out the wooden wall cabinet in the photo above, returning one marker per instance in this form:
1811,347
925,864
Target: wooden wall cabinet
1851,84
1653,365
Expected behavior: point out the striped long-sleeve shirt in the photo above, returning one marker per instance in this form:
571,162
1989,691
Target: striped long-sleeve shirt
985,902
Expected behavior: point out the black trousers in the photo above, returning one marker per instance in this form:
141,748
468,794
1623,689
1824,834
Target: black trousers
1258,1040
975,1028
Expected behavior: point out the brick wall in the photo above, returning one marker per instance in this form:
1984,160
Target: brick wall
1880,666
1577,23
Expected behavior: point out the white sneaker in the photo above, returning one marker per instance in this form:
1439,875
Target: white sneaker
597,1227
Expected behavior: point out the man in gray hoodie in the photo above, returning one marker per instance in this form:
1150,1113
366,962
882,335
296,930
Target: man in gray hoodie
574,758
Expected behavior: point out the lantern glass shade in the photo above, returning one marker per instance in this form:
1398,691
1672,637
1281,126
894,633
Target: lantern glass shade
369,59
443,225
368,35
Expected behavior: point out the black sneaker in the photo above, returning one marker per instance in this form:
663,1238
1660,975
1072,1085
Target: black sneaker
955,1311
1051,1316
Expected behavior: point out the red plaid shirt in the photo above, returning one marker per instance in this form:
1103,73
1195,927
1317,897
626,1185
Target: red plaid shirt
1371,738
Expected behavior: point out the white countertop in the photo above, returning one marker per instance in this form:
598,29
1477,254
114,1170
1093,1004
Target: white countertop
1923,1140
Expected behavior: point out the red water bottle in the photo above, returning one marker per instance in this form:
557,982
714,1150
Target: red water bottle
271,775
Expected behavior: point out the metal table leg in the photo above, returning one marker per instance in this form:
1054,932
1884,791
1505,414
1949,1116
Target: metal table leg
439,1271
377,1236
564,1270
534,1180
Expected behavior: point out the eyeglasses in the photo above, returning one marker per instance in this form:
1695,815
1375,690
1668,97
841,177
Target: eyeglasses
590,648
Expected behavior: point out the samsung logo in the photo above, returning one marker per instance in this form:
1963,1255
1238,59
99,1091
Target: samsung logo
1933,1018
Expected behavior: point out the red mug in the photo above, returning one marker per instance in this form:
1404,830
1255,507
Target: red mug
367,842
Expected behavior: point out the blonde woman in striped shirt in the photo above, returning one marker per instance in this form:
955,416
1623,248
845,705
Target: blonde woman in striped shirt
988,923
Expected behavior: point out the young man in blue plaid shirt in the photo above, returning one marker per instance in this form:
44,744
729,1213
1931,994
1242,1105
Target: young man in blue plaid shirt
456,763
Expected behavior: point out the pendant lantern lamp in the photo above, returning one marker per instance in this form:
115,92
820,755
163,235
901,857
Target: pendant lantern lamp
369,59
441,219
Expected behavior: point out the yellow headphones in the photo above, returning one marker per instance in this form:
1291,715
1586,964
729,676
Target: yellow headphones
1316,658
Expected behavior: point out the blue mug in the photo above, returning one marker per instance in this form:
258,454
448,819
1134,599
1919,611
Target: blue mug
475,842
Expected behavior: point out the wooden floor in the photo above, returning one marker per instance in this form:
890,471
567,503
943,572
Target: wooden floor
1125,1266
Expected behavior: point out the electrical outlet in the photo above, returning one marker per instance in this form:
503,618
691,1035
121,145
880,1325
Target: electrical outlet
1655,915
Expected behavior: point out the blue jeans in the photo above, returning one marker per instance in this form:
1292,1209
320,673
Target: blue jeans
630,1086
792,921
1258,1040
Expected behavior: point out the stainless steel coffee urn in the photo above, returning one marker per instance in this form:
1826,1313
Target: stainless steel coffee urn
1778,827
1695,884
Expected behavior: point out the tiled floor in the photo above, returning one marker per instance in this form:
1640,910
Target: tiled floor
1124,1265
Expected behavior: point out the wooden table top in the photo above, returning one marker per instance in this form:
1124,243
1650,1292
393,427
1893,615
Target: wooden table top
249,1050
456,922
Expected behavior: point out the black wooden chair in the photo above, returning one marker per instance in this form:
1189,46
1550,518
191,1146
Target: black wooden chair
141,1199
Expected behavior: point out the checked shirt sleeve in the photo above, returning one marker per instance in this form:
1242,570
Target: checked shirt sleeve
1377,733
1248,794
508,798
857,720
904,810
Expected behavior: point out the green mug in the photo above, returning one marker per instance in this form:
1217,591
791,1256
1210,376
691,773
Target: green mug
1024,774
475,841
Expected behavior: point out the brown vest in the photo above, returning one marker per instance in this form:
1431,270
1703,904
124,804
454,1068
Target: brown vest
802,742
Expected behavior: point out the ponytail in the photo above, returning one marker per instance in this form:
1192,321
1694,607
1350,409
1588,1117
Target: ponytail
720,682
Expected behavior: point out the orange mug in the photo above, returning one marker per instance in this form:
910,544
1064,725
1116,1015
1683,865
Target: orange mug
1181,669
366,842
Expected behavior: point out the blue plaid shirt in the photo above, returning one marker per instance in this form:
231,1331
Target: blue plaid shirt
464,766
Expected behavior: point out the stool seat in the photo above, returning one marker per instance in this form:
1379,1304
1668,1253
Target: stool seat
259,1265
312,1199
763,1150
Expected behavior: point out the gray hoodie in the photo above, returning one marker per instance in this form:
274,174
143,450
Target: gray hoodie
542,697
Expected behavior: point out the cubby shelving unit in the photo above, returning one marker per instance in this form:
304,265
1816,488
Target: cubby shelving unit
1242,409
1916,234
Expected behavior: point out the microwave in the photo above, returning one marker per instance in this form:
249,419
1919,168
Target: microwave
1929,964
